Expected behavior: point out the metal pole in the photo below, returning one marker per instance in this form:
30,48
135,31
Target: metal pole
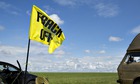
27,61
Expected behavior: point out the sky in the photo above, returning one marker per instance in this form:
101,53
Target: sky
98,33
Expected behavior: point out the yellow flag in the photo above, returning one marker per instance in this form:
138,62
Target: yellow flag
43,29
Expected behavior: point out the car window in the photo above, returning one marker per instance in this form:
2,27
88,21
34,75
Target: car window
137,59
1,68
132,58
127,58
12,68
7,67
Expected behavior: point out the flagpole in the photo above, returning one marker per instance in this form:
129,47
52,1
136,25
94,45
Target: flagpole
27,61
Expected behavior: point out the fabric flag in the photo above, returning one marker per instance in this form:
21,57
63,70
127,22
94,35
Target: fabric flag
43,29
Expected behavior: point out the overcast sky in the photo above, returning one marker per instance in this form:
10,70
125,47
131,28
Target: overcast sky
97,32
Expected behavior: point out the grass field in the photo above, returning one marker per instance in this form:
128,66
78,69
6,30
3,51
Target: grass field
80,78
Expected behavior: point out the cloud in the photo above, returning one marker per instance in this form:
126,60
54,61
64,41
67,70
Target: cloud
102,52
4,5
52,63
43,50
59,53
10,50
136,30
66,2
115,39
85,64
95,52
2,28
103,8
28,12
49,9
9,8
73,3
57,19
12,53
106,10
87,51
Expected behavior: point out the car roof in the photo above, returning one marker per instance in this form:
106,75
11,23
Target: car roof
135,45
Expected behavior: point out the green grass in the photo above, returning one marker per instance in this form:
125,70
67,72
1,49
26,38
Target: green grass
80,78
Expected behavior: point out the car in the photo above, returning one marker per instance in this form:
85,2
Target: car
129,67
10,74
